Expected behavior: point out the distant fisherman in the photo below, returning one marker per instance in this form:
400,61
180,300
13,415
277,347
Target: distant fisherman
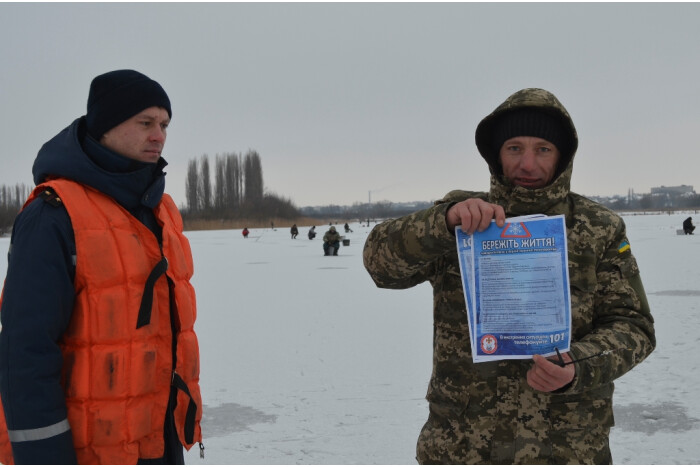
520,411
688,227
331,242
99,361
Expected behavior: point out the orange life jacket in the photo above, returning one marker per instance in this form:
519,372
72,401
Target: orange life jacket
117,351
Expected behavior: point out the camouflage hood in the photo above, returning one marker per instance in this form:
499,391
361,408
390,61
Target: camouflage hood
519,200
531,98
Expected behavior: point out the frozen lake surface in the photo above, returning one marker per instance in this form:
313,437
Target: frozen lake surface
305,361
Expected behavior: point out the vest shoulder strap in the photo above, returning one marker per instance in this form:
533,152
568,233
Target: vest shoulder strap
50,196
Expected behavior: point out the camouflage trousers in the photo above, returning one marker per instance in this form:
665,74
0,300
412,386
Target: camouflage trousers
447,440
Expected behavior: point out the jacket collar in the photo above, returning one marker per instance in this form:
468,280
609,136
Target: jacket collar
519,201
73,155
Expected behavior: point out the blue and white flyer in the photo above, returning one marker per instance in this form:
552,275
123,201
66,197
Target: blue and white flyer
516,287
464,251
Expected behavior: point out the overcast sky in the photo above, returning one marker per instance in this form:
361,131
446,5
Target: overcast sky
344,100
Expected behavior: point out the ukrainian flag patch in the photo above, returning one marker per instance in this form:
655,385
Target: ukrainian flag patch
624,246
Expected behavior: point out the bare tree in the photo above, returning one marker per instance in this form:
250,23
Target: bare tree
191,185
205,185
234,183
11,201
253,179
238,189
220,187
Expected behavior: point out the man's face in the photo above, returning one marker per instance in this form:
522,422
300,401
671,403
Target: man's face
141,137
528,161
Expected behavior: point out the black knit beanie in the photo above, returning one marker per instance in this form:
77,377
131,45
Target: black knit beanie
530,122
117,96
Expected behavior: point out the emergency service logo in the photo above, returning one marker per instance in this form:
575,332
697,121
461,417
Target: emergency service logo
515,230
489,344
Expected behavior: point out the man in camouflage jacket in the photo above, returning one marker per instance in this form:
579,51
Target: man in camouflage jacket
522,411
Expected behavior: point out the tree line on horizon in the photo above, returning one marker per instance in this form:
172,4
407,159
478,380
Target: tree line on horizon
365,211
237,191
648,201
12,199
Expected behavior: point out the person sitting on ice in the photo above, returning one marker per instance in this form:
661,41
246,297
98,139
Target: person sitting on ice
245,232
312,232
347,228
688,226
331,242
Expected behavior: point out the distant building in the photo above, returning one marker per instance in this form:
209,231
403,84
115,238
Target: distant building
673,190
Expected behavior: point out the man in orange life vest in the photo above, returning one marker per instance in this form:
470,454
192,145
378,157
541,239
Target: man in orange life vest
99,362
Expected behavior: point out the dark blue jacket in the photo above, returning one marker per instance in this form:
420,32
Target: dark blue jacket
38,294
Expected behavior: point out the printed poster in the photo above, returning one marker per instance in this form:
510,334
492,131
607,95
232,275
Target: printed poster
516,288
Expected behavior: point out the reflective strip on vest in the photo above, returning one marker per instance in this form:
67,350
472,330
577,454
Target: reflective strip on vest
36,434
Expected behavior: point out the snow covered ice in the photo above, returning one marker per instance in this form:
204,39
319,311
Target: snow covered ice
305,361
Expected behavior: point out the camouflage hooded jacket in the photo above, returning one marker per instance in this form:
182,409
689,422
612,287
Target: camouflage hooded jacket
486,412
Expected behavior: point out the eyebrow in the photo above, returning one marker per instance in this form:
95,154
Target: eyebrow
151,117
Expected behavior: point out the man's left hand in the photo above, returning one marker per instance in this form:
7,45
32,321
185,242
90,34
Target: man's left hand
547,376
